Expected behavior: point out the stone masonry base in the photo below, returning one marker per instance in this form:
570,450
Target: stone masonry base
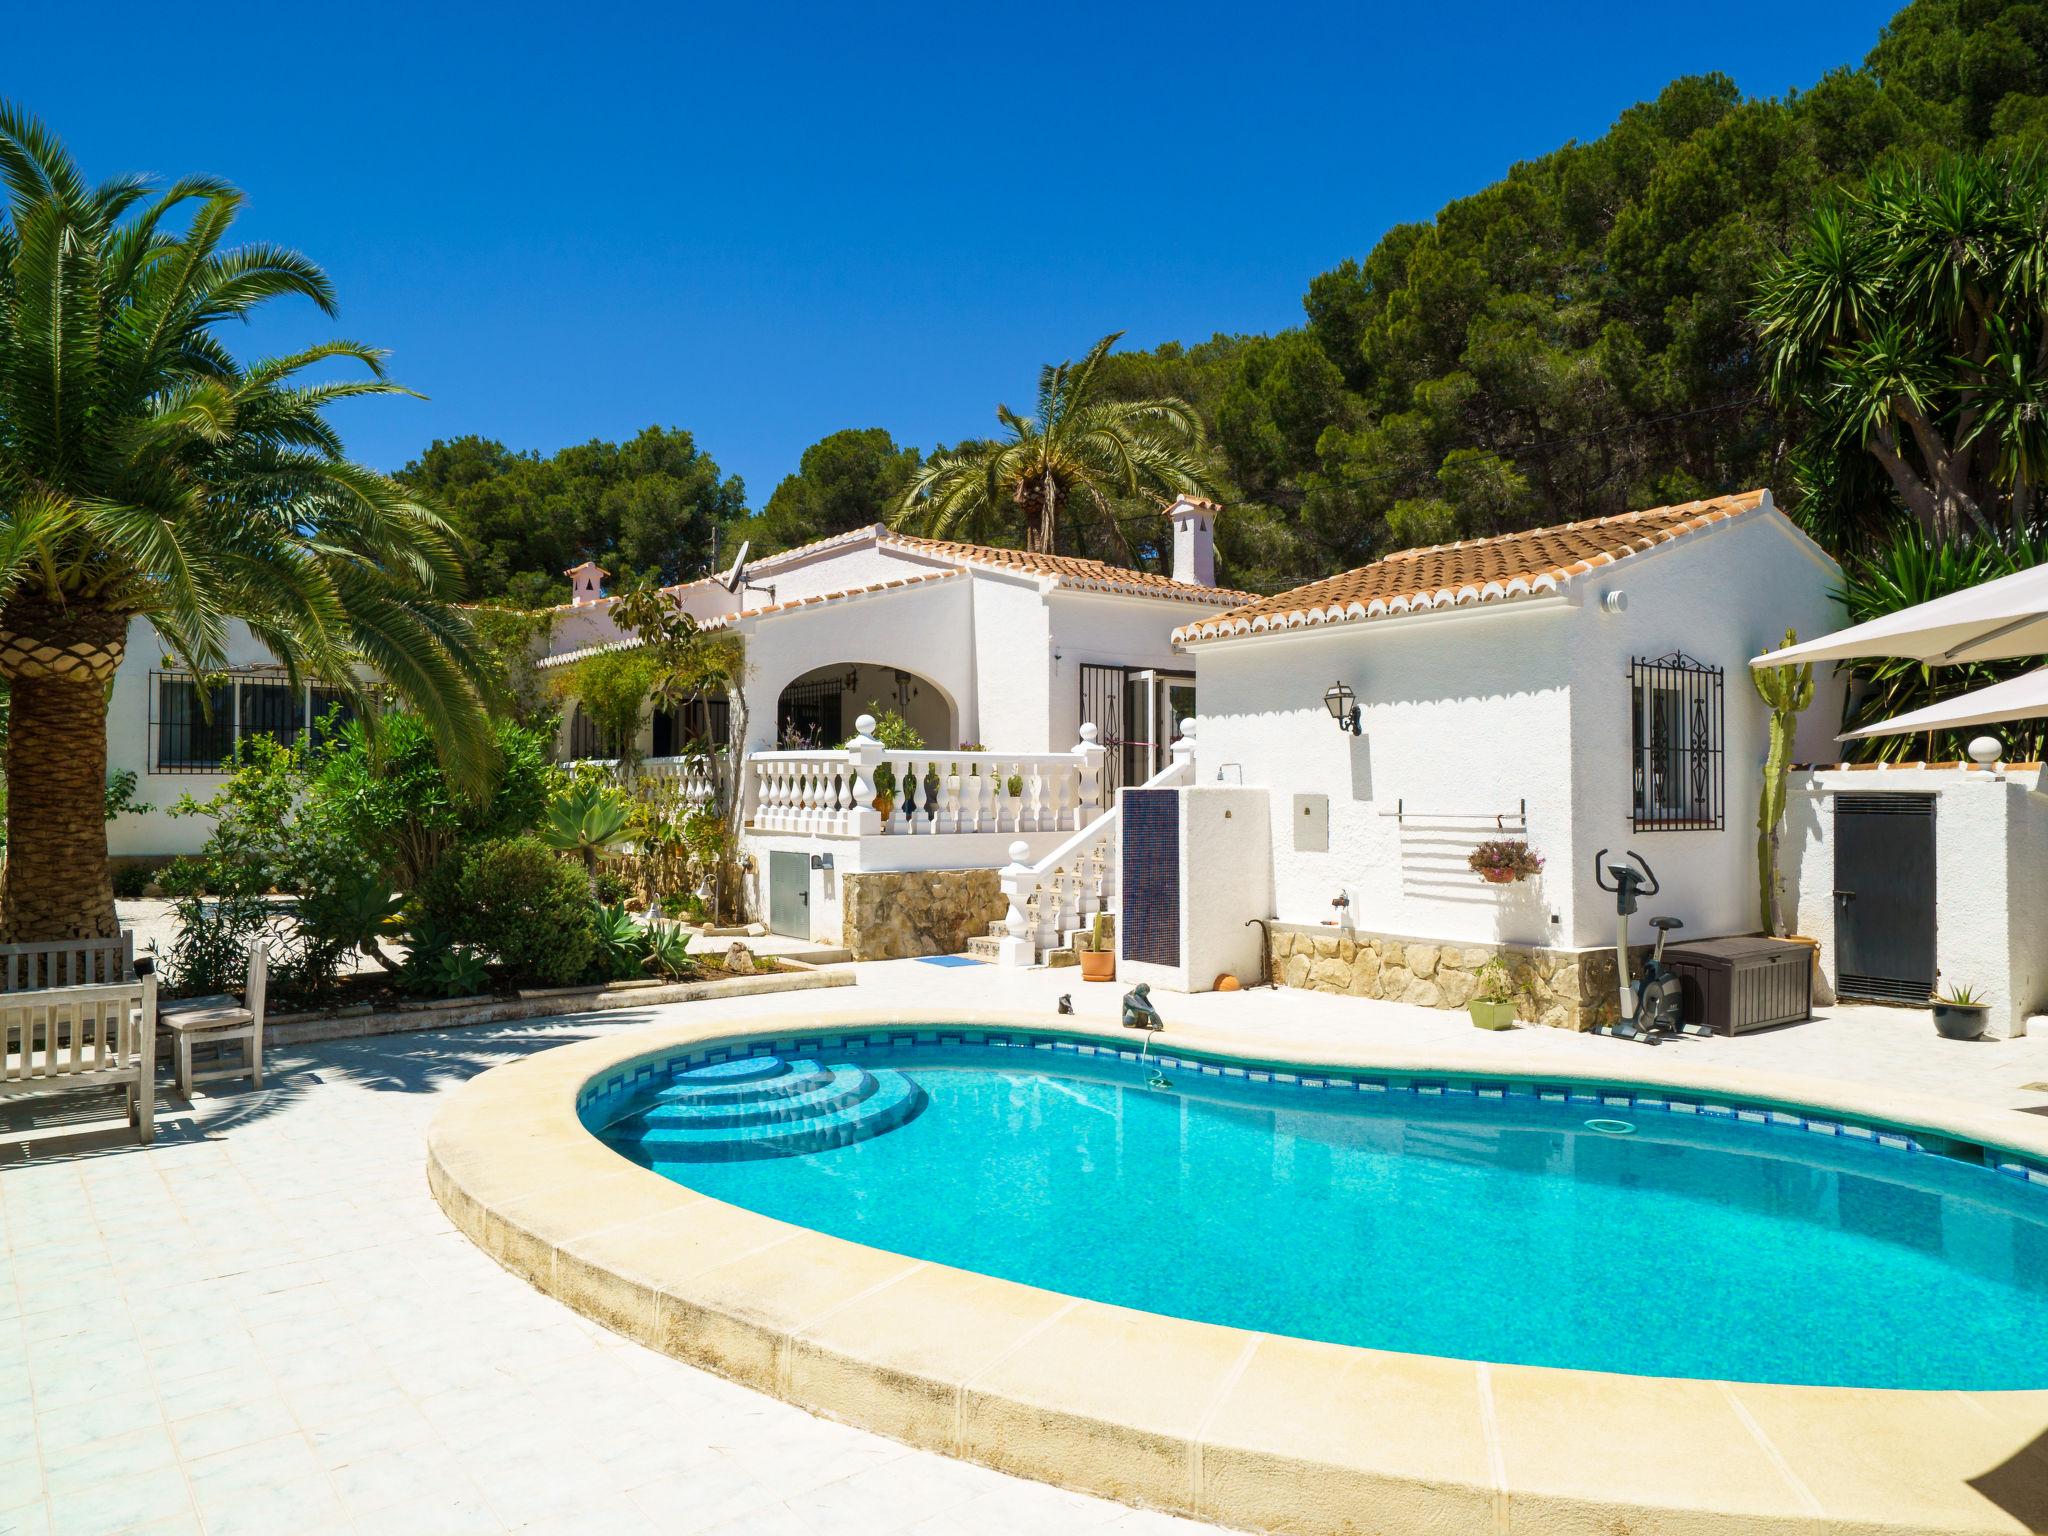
900,915
1563,988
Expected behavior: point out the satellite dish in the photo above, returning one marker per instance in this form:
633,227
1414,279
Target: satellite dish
735,578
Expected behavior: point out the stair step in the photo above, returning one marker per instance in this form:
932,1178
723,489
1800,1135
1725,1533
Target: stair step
894,1101
842,1088
790,1079
985,948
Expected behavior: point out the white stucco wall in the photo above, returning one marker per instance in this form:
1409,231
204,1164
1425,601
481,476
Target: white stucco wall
1470,712
1011,641
158,834
1990,875
1464,717
922,629
1225,872
1721,596
1109,629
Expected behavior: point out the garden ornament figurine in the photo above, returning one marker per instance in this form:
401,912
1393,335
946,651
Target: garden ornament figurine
1138,1010
1066,1002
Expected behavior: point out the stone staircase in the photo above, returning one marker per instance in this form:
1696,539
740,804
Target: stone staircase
989,946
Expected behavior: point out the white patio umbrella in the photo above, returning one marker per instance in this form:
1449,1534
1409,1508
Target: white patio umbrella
2020,698
1993,622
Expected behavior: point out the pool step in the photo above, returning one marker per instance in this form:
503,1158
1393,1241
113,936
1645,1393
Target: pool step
773,1077
838,1088
890,1100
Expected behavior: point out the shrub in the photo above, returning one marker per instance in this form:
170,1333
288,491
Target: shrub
517,901
131,880
211,951
620,943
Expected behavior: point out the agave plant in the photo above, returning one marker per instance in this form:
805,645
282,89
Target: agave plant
588,820
668,950
459,972
620,942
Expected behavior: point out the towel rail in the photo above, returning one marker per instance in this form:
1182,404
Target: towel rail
1500,819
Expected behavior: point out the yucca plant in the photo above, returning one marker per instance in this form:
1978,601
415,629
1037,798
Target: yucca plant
1075,455
1907,571
145,471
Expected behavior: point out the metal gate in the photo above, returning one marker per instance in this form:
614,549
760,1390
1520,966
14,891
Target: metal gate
1102,705
1884,897
789,894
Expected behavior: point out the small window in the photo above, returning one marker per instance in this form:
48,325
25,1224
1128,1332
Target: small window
1676,710
330,702
192,733
584,737
273,709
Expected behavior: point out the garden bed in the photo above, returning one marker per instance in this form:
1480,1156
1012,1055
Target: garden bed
350,1020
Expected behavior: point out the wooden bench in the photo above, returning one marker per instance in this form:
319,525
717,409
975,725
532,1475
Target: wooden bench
67,963
56,1039
220,1020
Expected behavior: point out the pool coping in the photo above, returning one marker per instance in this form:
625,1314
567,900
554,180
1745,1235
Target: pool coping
1240,1428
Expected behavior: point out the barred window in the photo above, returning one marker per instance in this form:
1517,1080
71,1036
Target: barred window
191,732
1677,717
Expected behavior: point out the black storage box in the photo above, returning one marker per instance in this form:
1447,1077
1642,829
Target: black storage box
1733,985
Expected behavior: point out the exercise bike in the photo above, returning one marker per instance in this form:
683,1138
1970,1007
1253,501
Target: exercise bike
1652,1005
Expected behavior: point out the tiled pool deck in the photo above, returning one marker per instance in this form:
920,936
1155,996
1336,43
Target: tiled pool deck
265,1324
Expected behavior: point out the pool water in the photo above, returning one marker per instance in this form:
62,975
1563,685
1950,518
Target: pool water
1484,1228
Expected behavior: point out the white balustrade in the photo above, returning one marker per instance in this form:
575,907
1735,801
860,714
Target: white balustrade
1065,889
694,778
867,789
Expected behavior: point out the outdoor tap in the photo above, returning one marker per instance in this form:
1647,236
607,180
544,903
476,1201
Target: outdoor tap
1340,901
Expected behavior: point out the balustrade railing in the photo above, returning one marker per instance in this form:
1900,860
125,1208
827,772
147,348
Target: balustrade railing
867,790
690,781
1064,890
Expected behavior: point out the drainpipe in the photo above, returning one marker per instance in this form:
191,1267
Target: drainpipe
1265,928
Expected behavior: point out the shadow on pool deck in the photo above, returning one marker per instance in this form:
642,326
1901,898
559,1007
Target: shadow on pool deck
94,1123
2019,1484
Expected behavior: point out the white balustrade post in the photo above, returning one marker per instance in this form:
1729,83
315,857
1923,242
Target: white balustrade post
970,802
1088,758
862,754
1016,880
1184,749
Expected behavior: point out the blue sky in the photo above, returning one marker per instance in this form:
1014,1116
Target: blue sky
766,223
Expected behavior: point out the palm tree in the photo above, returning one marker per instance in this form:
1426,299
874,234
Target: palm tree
1076,454
145,471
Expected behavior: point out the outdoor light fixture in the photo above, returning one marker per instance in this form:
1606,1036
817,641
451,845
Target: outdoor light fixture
1342,704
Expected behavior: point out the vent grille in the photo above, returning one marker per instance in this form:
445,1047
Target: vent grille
1885,989
1886,805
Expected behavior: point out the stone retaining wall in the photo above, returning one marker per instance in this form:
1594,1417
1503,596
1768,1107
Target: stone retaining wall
1563,988
903,914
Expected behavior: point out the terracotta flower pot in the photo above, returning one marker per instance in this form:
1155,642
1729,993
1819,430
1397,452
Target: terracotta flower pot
1098,965
1498,876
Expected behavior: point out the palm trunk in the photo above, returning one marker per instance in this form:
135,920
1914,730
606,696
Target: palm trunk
57,661
57,885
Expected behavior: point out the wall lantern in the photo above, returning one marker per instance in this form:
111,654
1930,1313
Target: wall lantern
1342,704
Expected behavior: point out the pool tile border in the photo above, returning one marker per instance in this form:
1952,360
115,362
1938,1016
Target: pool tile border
612,1094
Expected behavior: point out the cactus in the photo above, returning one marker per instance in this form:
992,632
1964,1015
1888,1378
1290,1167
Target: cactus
1785,691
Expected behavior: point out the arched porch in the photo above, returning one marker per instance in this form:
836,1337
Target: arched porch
817,709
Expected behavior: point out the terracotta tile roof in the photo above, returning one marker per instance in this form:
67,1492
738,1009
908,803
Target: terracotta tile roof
1514,565
1066,570
727,620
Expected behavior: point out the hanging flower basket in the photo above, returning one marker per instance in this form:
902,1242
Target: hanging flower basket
1502,861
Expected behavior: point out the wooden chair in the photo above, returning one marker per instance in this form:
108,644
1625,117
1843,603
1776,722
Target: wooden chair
67,963
220,1021
55,1039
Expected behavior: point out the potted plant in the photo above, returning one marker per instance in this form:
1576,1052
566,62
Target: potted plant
1503,860
885,791
1959,1013
1493,1006
1096,947
1015,787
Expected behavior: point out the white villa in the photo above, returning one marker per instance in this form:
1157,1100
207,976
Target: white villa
1312,769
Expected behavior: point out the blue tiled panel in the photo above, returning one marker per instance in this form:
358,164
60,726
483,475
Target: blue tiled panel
1149,876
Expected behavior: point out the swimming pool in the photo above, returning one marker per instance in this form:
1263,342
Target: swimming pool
1690,1236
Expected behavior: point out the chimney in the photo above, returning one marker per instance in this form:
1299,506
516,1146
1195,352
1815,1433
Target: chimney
1194,540
586,582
